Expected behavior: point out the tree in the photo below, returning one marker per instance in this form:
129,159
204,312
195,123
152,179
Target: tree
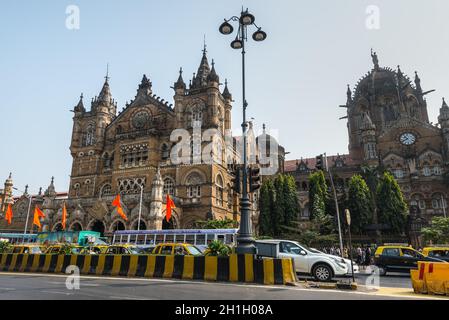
278,205
359,203
372,177
392,208
317,193
267,208
438,231
217,224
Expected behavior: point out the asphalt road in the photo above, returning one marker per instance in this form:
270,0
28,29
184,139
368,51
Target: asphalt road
53,287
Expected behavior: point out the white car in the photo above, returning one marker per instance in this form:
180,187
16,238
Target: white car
322,267
348,261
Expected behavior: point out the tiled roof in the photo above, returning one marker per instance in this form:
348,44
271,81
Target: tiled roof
292,165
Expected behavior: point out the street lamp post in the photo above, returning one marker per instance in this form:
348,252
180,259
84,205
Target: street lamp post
245,240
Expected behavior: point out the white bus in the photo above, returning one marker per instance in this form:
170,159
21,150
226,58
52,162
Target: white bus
197,237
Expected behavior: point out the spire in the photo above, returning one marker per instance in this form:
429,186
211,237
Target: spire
444,113
444,104
26,190
203,71
51,191
105,94
417,82
8,181
213,77
144,87
226,94
180,83
80,106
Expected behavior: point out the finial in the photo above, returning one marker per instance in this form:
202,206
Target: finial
213,63
107,73
40,191
180,71
10,175
444,103
52,180
82,96
26,190
375,59
264,127
205,46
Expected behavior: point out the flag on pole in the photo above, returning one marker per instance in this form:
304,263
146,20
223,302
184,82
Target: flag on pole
64,216
170,205
8,215
118,204
37,215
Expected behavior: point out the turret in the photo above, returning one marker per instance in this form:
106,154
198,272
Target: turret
369,139
227,96
179,86
7,197
157,189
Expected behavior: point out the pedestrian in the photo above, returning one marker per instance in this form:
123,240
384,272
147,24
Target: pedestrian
359,255
345,253
368,256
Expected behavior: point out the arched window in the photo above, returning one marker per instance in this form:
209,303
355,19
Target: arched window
197,117
194,182
230,197
89,138
426,170
437,169
77,188
165,152
106,190
219,190
438,201
417,200
169,187
398,173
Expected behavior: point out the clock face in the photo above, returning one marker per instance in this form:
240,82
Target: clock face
141,119
408,139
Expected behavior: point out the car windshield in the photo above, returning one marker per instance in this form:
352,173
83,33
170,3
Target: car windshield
194,250
135,250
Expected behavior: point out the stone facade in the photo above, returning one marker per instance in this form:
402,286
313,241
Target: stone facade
118,153
388,125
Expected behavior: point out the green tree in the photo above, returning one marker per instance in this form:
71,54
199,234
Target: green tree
359,203
291,201
392,208
267,208
318,194
217,224
438,231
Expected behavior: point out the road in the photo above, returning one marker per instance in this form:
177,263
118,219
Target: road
52,287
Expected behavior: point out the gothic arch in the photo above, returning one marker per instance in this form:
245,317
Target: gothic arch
96,225
75,223
143,224
57,227
117,223
190,175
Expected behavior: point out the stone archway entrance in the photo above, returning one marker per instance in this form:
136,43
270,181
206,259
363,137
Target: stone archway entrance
98,226
143,225
76,227
118,226
168,225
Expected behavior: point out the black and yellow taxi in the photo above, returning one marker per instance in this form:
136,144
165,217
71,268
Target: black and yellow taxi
398,258
92,249
61,249
27,249
439,252
176,249
123,249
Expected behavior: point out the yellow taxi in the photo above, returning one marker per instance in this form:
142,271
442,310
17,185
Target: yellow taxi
439,252
27,249
398,258
122,249
93,250
58,249
176,249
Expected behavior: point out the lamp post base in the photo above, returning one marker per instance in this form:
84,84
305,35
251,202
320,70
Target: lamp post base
245,241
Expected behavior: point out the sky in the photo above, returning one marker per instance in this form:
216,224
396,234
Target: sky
296,79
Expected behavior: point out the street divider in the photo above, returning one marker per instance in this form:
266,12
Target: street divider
431,278
235,268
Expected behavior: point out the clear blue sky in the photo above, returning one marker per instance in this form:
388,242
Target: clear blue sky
296,79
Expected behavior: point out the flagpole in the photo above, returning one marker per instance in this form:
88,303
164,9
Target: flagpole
28,217
140,207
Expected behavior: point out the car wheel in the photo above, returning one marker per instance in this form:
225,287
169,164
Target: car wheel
322,272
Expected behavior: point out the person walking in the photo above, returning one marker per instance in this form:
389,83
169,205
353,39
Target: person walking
368,256
359,255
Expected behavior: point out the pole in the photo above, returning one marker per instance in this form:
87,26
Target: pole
350,254
336,205
443,204
245,241
28,216
140,208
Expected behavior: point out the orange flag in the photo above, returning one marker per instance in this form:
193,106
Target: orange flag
170,205
8,215
37,215
64,216
117,203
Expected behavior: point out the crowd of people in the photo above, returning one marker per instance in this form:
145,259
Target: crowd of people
362,254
